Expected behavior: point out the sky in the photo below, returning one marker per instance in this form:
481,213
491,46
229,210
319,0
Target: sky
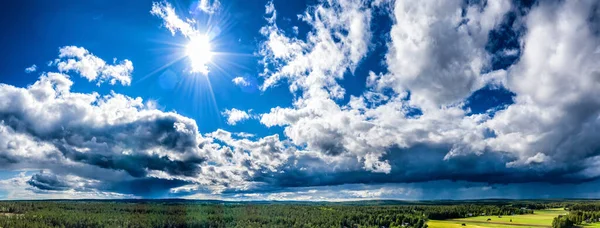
316,100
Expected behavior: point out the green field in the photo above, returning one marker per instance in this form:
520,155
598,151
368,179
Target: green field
541,218
450,224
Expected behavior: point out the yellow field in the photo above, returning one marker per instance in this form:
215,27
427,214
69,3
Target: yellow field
541,218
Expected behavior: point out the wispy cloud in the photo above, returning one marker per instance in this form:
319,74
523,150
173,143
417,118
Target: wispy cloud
245,135
339,40
240,81
31,69
172,21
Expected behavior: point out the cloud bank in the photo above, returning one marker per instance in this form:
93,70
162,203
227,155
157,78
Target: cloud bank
409,132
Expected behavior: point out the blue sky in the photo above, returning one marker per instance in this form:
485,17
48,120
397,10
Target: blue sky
131,32
299,100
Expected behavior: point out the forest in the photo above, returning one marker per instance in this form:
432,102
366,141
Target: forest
181,213
579,213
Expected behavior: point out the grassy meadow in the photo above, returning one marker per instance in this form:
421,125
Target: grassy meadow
540,218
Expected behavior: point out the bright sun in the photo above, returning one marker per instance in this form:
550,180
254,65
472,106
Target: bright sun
199,53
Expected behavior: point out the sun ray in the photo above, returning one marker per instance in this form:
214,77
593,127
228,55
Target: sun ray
165,66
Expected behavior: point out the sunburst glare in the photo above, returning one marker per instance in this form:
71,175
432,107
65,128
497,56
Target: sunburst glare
198,50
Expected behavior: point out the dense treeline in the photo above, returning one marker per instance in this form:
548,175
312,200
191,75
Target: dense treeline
584,207
542,205
462,211
579,213
186,214
114,214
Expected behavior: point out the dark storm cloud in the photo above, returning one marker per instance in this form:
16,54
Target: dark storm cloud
136,165
48,181
7,159
422,163
45,126
145,133
145,187
330,145
152,132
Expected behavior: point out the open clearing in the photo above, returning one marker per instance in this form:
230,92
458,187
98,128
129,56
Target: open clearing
9,214
540,218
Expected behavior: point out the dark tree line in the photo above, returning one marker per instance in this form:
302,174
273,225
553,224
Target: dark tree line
579,213
189,214
462,211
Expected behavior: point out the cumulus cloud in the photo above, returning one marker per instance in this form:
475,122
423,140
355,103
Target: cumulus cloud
377,136
338,42
411,127
80,60
437,50
556,81
31,69
90,132
240,81
74,124
117,144
235,115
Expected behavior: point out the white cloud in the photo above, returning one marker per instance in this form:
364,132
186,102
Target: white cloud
113,138
245,134
557,107
555,87
240,81
172,22
31,69
317,122
209,6
511,52
551,126
18,188
375,193
235,115
78,118
338,41
187,28
350,192
93,68
436,55
435,58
